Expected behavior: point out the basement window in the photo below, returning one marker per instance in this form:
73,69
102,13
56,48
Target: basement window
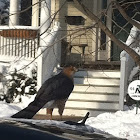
75,20
69,0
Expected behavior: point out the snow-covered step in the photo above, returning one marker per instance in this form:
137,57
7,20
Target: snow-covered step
98,73
97,89
92,104
95,92
97,81
94,96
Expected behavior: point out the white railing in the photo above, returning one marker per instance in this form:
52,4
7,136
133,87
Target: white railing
18,42
127,64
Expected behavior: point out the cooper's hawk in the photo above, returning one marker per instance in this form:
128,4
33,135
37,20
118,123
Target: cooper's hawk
53,93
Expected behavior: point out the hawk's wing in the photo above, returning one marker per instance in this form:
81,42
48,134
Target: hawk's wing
57,87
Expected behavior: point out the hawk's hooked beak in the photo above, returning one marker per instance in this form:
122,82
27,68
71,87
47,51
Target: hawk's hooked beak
75,69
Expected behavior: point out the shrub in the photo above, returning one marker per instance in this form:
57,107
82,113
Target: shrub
20,84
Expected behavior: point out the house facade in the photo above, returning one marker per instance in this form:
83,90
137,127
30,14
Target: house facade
96,90
97,84
87,45
79,45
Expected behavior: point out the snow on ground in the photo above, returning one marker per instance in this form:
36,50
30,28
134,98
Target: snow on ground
6,110
123,124
22,66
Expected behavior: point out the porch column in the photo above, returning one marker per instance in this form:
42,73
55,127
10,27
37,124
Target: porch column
45,20
35,13
13,13
47,51
44,26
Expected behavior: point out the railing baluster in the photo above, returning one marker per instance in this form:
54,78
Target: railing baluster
34,48
3,46
28,52
12,45
15,43
21,43
9,43
18,42
0,44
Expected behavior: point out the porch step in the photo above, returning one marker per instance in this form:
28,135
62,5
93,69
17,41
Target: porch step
95,92
97,81
92,104
96,88
98,73
92,96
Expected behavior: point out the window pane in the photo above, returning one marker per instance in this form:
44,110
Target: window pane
75,20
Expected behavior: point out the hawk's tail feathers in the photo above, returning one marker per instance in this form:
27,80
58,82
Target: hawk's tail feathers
27,112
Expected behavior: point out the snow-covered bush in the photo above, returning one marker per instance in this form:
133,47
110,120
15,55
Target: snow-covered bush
21,80
20,84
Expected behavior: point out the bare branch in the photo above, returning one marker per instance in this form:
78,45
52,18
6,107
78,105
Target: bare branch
123,46
130,20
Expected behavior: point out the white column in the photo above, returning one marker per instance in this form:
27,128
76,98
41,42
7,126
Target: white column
14,15
49,56
45,20
44,25
35,13
47,61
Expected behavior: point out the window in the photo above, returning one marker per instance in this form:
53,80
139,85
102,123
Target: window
71,0
75,20
25,17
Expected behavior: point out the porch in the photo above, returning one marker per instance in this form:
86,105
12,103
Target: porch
92,83
18,42
98,91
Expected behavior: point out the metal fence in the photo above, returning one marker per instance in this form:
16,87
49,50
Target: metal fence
16,43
